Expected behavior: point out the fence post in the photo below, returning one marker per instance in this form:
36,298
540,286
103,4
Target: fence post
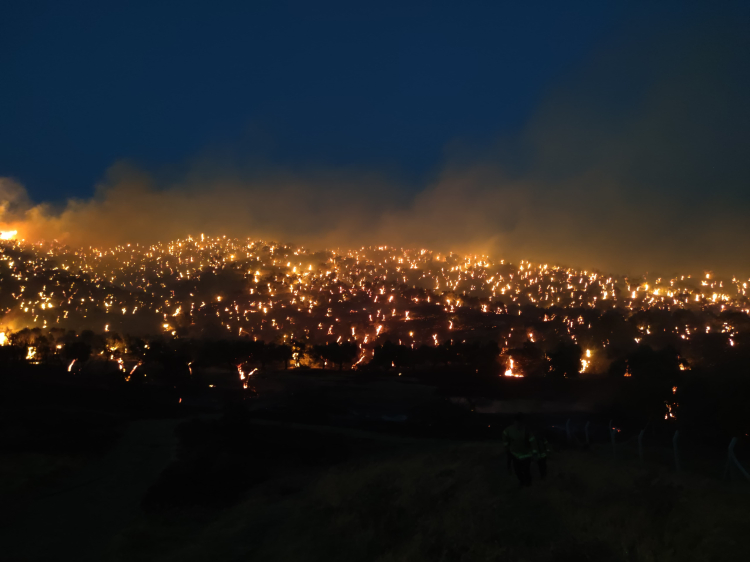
567,430
674,446
587,433
732,460
612,437
728,467
640,444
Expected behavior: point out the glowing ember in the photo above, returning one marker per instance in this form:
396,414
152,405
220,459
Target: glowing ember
363,297
509,372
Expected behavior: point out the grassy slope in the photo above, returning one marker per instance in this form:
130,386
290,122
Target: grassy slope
24,470
451,501
41,448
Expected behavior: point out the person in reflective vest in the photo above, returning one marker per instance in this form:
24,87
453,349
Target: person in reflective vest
520,446
543,449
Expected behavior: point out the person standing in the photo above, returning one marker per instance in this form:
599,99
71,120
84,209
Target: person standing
520,446
542,448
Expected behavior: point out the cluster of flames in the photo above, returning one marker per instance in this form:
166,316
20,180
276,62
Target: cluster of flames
284,293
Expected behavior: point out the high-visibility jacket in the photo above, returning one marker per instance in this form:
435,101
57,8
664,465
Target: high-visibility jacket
542,447
519,442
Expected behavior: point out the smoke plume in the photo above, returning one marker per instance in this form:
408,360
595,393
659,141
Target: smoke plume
637,162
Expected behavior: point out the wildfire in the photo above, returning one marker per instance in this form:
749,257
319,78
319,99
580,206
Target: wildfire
509,372
8,234
670,413
294,295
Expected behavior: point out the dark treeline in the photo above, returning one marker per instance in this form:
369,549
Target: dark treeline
88,350
683,363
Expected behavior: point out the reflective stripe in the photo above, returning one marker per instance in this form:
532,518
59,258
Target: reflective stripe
523,456
521,443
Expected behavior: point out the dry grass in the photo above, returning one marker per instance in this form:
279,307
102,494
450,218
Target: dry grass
433,502
24,471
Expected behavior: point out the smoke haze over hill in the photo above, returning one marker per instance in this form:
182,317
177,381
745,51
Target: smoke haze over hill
652,178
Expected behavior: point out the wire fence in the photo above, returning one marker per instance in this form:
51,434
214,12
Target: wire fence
661,444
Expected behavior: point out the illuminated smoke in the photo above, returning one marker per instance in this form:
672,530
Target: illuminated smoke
651,179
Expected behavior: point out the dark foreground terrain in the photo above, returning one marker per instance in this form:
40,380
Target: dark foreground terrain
236,487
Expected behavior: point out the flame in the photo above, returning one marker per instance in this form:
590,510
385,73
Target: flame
186,259
8,234
670,411
509,372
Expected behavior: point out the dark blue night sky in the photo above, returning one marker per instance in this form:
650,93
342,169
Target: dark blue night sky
158,83
600,134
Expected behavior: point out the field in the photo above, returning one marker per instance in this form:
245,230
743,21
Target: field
330,467
359,496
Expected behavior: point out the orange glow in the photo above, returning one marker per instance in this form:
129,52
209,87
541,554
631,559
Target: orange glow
509,372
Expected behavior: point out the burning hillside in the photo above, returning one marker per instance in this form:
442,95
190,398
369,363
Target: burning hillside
221,288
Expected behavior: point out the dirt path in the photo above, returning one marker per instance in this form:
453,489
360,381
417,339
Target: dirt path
78,519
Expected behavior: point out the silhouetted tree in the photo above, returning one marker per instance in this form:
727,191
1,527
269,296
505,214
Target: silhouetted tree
645,363
565,361
284,353
336,353
530,359
299,350
618,368
79,351
389,355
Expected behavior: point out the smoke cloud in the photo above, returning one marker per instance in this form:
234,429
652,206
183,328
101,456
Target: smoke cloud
638,162
588,221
